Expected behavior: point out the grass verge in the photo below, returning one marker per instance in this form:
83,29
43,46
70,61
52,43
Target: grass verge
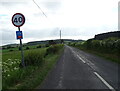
108,56
33,75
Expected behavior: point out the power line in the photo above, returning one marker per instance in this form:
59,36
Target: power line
40,9
44,14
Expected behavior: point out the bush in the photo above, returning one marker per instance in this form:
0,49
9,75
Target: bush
27,48
39,46
34,58
53,49
19,48
11,50
8,47
47,45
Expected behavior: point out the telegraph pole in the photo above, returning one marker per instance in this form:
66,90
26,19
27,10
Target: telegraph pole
60,36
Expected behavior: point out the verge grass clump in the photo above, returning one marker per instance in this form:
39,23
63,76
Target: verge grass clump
34,57
53,49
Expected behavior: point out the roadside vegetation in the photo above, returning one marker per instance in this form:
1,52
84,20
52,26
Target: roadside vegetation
38,62
108,48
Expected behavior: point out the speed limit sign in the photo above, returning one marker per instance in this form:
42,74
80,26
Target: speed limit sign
18,19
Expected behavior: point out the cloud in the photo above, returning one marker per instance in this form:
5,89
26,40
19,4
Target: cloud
76,18
52,5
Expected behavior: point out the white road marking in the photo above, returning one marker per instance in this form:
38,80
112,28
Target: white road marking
91,66
77,55
109,86
89,63
81,59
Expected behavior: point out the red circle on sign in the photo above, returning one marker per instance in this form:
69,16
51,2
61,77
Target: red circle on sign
23,19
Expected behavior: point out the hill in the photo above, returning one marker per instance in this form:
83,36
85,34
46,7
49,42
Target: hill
42,42
107,35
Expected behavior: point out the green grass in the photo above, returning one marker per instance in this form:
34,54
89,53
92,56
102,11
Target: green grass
114,57
31,76
108,56
11,72
39,74
107,48
17,48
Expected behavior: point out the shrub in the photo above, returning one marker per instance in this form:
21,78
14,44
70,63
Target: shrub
27,48
10,50
47,45
53,49
19,48
8,47
34,58
39,46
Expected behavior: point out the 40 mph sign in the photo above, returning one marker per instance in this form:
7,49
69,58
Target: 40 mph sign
18,19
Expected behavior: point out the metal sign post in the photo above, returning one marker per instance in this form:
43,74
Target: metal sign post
22,55
18,20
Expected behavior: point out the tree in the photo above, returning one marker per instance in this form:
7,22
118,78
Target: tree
27,48
39,46
51,42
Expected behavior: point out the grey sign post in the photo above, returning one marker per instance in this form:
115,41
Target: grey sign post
18,20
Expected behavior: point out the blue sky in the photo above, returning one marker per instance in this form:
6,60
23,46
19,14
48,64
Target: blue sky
77,19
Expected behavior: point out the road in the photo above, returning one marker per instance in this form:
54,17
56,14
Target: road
79,70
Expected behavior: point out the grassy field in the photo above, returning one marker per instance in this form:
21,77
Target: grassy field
38,63
24,47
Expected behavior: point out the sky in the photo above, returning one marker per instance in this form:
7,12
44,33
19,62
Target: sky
77,19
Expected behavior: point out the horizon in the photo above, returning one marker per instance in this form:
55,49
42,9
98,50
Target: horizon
40,41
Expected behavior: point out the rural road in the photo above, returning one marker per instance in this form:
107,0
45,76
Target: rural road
79,70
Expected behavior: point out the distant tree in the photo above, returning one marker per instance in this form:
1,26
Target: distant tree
10,50
69,43
47,45
51,42
39,46
3,48
8,47
27,48
62,41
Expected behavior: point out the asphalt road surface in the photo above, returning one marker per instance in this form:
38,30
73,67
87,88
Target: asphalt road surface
79,70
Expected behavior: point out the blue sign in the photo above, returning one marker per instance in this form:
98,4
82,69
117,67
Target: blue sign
19,35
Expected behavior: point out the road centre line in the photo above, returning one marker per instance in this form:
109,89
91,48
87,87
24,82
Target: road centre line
81,59
91,64
78,56
109,86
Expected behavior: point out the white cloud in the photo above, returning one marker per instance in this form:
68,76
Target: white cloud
83,18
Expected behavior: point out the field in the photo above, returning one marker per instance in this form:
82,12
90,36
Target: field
38,62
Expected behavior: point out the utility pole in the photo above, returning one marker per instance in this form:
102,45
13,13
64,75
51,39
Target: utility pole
60,36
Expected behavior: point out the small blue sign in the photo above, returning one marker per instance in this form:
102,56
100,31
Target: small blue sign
19,35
